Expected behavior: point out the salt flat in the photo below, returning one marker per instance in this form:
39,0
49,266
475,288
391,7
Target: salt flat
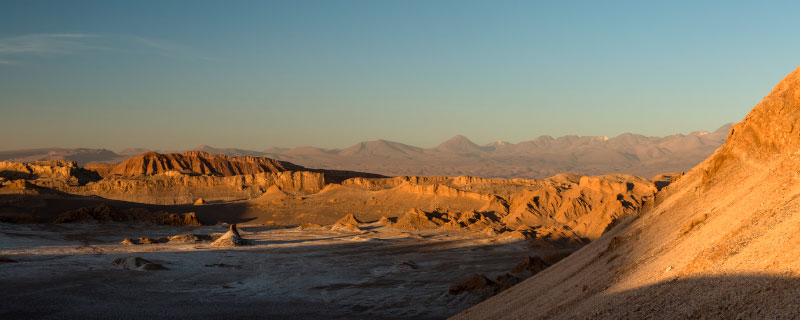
66,271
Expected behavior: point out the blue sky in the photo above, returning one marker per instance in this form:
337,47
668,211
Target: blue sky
257,74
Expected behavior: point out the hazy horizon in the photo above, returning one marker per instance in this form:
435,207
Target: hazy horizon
187,148
255,75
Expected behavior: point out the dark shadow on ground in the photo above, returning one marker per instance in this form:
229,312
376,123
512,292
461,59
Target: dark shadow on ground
710,297
49,203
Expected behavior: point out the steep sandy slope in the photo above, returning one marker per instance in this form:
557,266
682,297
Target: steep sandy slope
722,243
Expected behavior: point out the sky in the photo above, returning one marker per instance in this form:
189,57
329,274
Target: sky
260,74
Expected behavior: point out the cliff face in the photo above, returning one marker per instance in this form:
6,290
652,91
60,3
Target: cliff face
173,187
583,205
587,207
199,162
171,178
464,183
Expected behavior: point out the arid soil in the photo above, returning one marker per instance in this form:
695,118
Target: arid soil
83,271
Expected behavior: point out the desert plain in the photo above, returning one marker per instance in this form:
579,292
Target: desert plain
205,235
399,160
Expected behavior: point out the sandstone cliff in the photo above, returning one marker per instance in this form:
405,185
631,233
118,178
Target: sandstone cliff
587,207
199,162
583,205
174,187
55,173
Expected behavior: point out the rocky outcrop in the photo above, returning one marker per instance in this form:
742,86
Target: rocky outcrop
198,162
467,184
51,174
479,287
418,220
530,266
564,209
349,219
231,239
587,207
556,236
522,233
347,224
178,188
665,179
168,179
273,193
441,190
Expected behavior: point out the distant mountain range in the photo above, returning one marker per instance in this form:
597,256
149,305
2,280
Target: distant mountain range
538,158
79,155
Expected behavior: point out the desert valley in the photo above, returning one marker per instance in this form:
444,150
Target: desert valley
355,244
311,160
248,233
258,236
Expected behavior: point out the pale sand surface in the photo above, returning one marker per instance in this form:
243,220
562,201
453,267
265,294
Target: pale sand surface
66,271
